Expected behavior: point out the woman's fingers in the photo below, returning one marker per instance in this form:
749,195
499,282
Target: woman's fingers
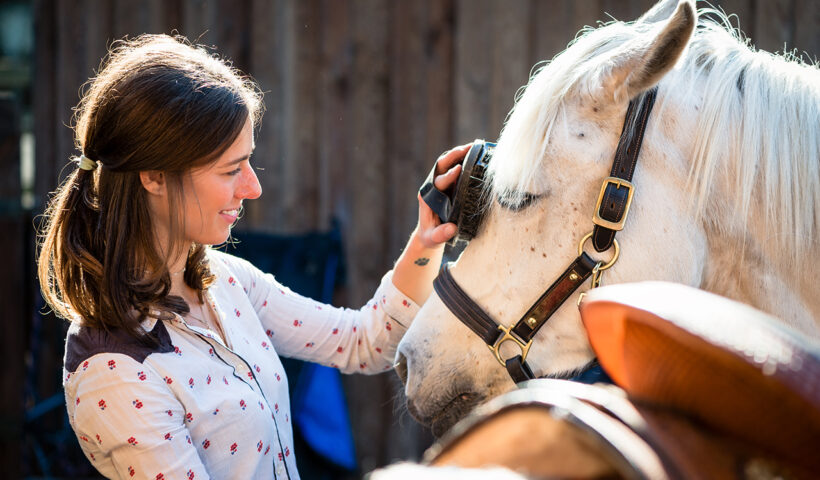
443,182
443,232
451,157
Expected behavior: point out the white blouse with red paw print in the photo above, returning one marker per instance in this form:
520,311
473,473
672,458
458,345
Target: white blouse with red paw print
195,405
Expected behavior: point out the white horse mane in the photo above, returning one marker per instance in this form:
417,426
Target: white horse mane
770,102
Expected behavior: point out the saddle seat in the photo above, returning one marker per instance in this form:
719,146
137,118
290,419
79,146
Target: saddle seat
706,387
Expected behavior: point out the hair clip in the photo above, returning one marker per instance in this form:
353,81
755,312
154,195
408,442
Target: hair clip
86,163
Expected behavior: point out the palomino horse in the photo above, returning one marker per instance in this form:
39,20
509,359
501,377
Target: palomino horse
726,198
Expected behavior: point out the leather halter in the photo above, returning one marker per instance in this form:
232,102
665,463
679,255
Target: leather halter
611,210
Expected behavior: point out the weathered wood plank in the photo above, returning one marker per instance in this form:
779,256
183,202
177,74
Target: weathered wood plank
269,40
45,107
408,92
334,126
16,313
367,174
807,29
300,192
774,25
510,60
473,72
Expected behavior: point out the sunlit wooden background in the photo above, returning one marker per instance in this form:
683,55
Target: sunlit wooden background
361,96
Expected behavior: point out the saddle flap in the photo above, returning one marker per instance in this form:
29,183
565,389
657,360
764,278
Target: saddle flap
724,364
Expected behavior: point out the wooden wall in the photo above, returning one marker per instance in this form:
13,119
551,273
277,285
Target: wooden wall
361,96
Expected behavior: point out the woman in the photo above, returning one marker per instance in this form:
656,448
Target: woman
171,366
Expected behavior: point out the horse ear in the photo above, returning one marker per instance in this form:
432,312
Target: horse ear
660,11
643,61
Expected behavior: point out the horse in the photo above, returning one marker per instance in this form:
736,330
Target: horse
726,198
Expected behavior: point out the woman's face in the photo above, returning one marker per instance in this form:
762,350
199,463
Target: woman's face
213,194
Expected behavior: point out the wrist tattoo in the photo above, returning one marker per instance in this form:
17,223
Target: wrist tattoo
422,261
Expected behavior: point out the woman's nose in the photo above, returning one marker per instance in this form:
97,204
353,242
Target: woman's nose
251,188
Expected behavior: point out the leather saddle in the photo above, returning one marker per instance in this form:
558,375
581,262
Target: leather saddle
706,388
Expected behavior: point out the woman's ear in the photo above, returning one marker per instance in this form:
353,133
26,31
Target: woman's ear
154,182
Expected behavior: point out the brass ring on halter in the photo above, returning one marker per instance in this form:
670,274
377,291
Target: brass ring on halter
611,261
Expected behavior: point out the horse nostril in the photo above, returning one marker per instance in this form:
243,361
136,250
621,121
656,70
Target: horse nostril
401,368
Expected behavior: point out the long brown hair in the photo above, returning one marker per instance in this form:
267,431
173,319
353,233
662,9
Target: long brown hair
158,103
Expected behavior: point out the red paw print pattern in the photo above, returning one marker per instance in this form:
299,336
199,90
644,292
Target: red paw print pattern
168,436
112,364
363,365
99,440
169,380
101,404
269,333
388,326
132,441
267,449
309,344
231,281
375,306
85,365
216,411
160,477
190,475
211,352
276,407
242,404
287,451
335,331
177,351
191,382
237,312
256,367
297,323
208,380
259,446
142,376
340,349
233,448
189,417
137,404
206,443
131,471
265,345
170,413
250,374
405,303
265,303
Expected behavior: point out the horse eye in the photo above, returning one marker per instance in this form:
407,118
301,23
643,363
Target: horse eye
516,202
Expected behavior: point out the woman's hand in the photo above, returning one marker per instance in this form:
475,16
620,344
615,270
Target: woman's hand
430,230
419,262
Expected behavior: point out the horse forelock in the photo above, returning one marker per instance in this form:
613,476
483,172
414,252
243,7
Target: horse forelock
758,117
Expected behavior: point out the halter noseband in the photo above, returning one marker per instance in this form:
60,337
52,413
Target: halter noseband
610,214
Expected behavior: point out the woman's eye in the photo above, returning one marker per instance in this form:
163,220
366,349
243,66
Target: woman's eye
515,201
235,171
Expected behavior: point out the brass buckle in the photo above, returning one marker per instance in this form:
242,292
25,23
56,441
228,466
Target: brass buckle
618,182
509,336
